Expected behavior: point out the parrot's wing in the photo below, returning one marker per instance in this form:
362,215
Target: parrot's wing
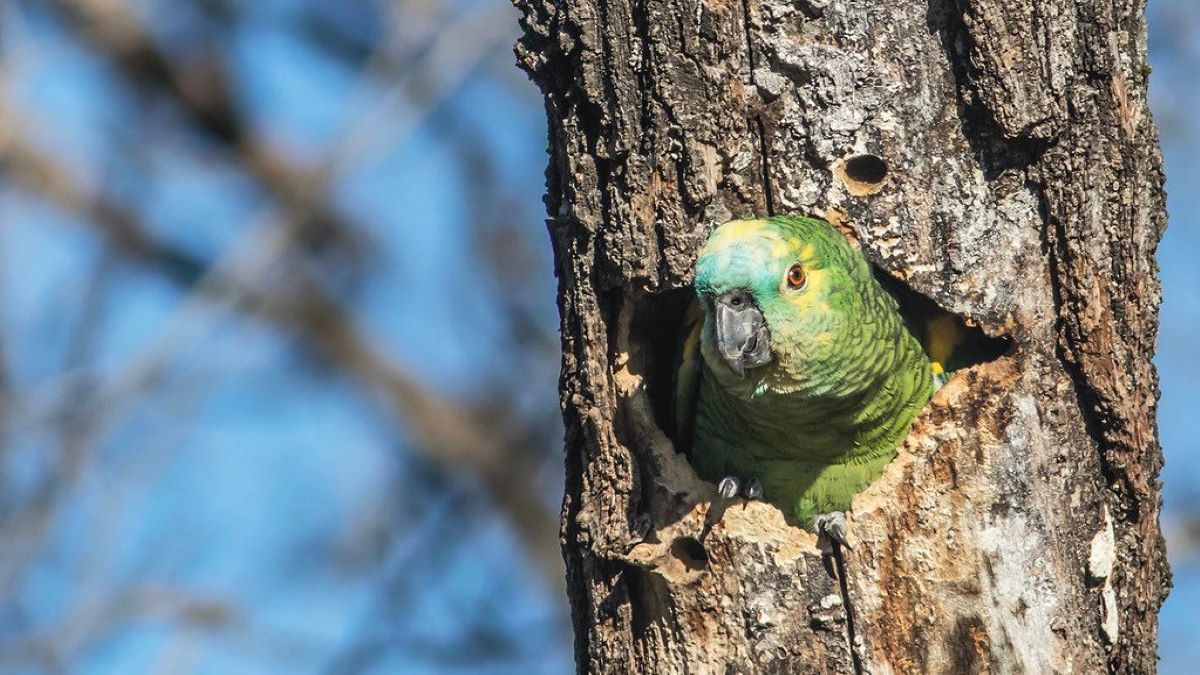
688,371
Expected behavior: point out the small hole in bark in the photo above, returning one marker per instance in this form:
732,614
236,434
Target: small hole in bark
690,552
863,174
866,169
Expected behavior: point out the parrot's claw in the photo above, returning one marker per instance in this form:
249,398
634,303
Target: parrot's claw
753,489
729,487
831,528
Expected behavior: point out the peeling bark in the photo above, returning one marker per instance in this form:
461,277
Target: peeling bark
998,156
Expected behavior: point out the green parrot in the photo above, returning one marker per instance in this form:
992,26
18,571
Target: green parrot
799,376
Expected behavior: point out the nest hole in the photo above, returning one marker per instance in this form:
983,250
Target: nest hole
949,341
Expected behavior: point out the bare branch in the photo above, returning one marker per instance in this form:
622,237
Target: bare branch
200,90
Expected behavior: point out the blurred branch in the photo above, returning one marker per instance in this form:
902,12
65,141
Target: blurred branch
54,646
200,89
414,88
37,171
452,436
26,530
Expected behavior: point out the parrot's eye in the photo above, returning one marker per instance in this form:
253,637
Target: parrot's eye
795,277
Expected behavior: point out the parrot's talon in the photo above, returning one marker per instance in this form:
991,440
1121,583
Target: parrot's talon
831,528
729,487
753,489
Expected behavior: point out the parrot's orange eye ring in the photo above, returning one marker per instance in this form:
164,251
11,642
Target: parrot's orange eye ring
796,277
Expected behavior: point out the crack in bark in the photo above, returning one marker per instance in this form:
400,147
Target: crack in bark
1054,243
1056,254
768,197
760,127
839,562
996,150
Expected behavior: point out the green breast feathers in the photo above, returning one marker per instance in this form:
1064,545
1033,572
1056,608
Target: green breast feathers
798,376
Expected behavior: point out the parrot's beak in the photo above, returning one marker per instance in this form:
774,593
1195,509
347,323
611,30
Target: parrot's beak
742,335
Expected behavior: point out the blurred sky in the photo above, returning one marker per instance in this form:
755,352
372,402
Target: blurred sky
251,481
1175,57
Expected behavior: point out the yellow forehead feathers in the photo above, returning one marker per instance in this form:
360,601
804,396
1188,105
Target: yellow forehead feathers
737,232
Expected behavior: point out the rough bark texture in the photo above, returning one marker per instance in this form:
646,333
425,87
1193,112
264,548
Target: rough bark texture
1018,529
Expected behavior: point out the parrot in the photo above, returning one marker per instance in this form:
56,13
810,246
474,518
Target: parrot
797,377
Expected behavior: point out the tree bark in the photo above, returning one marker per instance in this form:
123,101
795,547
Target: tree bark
997,156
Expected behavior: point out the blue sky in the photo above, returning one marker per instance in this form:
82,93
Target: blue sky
1176,63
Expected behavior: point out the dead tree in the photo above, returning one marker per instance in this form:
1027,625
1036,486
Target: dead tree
998,157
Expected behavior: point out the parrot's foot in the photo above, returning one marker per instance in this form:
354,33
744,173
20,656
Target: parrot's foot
729,487
753,489
831,528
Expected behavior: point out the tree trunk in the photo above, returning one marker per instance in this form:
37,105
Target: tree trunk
998,156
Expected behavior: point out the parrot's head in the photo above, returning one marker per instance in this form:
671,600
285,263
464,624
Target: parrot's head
786,302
